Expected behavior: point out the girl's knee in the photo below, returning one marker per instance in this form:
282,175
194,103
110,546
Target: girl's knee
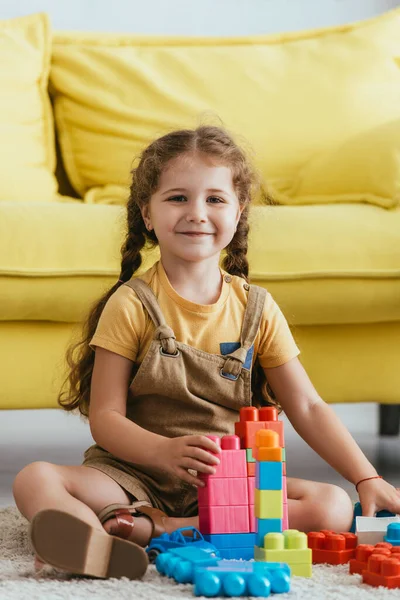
32,475
333,508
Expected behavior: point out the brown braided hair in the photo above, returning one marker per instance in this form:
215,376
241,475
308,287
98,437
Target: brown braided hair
212,141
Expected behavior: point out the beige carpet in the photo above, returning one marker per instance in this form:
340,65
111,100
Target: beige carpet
18,580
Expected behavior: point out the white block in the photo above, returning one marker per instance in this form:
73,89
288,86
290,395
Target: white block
370,530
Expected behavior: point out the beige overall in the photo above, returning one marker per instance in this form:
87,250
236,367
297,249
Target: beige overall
180,390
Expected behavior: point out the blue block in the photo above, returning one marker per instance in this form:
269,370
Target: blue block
237,553
231,540
269,475
242,579
358,513
180,563
392,534
264,526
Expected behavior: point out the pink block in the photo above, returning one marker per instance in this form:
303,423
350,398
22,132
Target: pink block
285,520
232,458
224,519
252,519
284,489
226,491
251,482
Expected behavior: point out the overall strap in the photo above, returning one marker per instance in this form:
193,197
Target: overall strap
163,332
251,324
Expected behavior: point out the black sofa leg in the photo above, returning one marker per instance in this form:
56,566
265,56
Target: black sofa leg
389,419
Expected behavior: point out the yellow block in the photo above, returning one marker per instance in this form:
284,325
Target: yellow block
292,557
268,504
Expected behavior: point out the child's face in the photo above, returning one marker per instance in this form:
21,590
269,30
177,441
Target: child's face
194,195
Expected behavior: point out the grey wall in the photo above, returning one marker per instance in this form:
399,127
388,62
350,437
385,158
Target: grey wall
197,17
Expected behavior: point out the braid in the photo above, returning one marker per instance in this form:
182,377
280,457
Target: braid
235,262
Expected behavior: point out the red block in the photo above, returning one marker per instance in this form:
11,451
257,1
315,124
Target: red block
224,491
251,469
252,419
224,519
232,458
360,562
284,468
383,570
332,548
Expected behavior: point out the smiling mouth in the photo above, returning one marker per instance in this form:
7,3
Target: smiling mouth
193,233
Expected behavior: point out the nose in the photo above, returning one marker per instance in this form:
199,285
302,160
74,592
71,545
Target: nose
196,211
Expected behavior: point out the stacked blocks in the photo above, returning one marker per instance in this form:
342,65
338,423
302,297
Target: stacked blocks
251,421
332,548
224,516
378,565
393,534
289,547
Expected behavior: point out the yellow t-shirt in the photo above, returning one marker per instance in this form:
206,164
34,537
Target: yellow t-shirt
125,326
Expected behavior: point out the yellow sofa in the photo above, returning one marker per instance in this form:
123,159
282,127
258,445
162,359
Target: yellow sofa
319,113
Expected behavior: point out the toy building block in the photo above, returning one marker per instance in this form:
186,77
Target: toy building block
179,563
268,504
358,513
264,526
252,519
252,420
239,546
364,551
224,491
232,458
393,534
269,475
251,486
249,455
224,519
267,446
290,547
251,469
285,520
382,570
332,548
247,579
246,553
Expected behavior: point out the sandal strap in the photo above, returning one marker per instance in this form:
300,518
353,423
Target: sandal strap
157,517
125,523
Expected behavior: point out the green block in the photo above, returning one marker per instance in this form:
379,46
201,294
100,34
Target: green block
283,454
249,455
268,504
291,557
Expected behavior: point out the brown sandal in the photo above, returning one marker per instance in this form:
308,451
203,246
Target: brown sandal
125,513
68,543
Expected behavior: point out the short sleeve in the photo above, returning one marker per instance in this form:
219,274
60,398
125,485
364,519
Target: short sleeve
277,345
121,324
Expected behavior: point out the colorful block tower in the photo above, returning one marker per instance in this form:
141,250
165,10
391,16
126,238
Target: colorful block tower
224,514
251,421
271,544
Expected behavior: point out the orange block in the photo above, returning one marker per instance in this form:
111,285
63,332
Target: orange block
332,548
383,570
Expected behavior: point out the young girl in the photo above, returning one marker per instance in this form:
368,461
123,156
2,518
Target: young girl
169,358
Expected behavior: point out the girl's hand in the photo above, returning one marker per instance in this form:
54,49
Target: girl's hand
188,452
378,494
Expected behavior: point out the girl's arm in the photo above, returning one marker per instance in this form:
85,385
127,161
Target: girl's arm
319,426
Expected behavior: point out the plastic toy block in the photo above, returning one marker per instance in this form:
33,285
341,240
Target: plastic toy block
290,547
358,513
393,534
264,526
284,487
382,570
269,475
249,455
251,486
224,519
332,548
283,454
180,563
231,540
242,579
232,458
246,553
252,518
283,464
252,420
268,504
267,446
364,551
251,469
224,491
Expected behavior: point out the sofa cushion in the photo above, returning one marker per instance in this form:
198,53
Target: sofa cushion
287,97
323,264
27,152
